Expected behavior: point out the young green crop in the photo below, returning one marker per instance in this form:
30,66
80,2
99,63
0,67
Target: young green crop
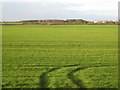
60,56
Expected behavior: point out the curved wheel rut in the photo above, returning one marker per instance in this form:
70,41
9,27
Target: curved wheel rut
79,82
44,79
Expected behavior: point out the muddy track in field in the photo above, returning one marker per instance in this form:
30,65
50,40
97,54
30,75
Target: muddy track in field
79,82
44,78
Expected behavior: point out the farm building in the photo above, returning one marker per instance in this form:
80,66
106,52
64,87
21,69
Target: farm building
104,22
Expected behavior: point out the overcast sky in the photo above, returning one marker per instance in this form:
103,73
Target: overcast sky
91,10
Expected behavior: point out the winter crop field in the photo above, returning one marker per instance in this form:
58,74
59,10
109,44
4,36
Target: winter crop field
60,56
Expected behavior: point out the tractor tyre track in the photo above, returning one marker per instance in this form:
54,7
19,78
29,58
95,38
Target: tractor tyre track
76,81
43,78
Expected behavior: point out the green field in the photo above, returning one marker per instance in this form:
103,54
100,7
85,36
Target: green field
60,56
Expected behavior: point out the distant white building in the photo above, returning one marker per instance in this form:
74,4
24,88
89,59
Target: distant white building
104,22
95,21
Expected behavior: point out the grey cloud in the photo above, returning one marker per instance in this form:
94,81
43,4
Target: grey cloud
23,11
